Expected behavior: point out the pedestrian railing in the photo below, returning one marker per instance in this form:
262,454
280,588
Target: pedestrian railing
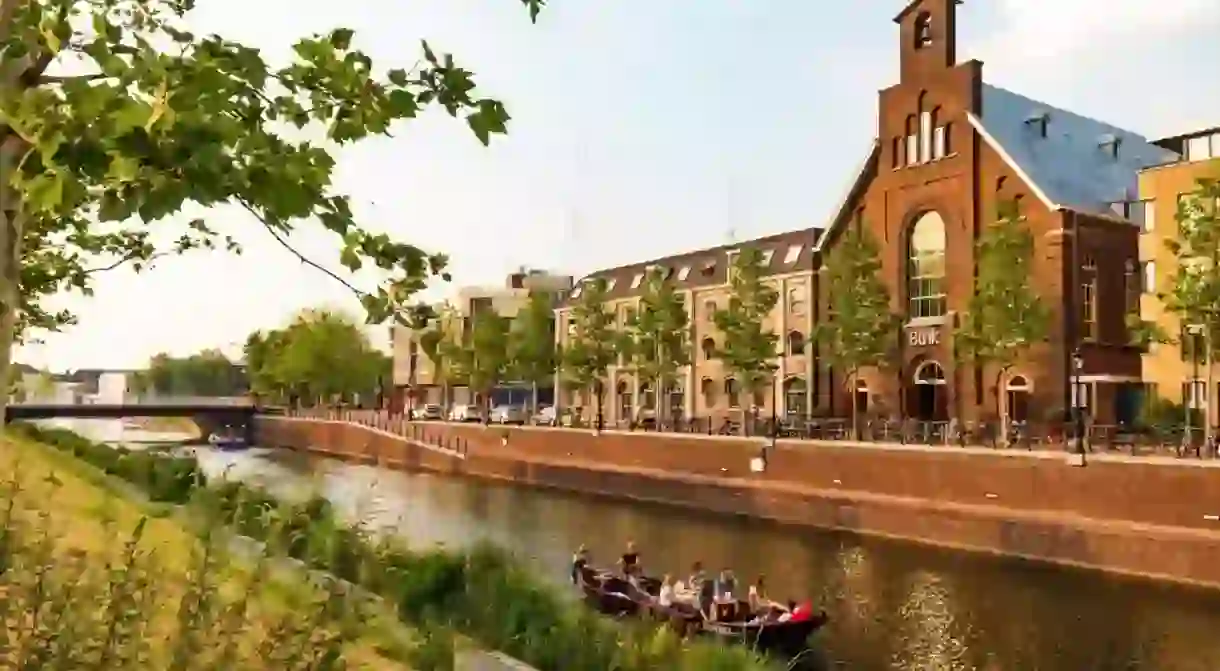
1032,436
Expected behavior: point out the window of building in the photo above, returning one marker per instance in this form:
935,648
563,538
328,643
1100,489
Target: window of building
939,144
708,346
707,388
1148,277
1203,148
767,256
896,153
1038,123
611,283
732,392
923,30
796,300
926,267
925,137
794,253
709,310
683,273
708,269
912,148
1109,145
576,292
1088,298
635,281
796,343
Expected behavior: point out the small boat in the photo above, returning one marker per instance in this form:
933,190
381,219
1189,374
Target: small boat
612,594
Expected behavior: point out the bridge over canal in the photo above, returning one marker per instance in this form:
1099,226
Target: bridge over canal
209,413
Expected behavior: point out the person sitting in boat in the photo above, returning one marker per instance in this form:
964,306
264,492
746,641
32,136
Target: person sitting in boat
756,597
707,596
665,598
580,560
726,584
696,576
630,561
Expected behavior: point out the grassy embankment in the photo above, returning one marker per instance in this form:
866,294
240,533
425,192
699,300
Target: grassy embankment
93,578
480,592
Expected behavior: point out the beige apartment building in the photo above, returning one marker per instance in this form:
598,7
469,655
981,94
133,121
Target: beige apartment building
1170,369
705,388
415,379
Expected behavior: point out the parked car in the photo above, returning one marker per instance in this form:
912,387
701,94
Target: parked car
464,413
428,411
507,414
545,416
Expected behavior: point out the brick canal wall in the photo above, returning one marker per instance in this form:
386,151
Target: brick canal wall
1134,516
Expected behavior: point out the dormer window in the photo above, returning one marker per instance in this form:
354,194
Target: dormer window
923,30
635,281
1109,145
767,256
683,273
610,284
1038,122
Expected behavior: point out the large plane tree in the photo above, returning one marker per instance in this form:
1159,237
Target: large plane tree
116,118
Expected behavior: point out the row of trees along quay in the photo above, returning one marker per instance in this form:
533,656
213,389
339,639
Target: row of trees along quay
117,120
1190,293
1004,317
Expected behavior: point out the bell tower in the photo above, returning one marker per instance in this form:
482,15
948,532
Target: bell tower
928,30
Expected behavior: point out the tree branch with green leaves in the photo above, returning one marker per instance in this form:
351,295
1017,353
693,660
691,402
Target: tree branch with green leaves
748,348
1005,316
590,348
531,343
860,329
657,337
116,120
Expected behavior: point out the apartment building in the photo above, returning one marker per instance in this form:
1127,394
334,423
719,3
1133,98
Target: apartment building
1175,371
705,388
416,379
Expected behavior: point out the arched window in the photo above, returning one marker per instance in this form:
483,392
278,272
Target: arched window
709,348
926,267
923,30
707,388
796,343
646,397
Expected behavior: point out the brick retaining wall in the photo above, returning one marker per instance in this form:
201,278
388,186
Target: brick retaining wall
1129,516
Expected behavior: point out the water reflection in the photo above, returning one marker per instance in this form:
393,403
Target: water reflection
892,606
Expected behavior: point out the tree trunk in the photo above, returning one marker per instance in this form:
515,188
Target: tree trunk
855,416
1001,406
534,399
11,230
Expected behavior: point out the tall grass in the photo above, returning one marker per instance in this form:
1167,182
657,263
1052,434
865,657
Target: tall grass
117,601
481,594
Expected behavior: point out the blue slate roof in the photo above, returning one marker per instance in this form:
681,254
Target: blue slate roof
1068,167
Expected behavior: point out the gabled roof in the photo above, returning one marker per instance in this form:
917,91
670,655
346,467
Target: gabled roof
1067,168
858,179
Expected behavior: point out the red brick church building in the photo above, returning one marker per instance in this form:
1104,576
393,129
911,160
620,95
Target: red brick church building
949,148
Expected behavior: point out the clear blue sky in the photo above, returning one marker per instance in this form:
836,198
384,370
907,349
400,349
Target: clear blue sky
640,129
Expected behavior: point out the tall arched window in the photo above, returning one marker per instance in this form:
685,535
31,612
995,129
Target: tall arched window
926,267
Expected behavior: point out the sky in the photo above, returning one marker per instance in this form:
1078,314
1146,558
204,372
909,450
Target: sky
639,129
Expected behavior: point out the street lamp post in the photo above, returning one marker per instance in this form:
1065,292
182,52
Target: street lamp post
1192,391
1077,409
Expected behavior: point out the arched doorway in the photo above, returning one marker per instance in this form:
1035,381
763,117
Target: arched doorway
926,394
794,397
1017,398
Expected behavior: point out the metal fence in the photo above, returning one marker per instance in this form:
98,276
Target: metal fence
1032,436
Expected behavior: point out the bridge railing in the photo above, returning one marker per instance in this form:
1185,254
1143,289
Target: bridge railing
224,401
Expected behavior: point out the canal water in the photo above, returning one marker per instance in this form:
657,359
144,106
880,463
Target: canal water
892,605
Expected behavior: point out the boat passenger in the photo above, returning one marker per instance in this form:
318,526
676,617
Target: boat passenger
756,598
787,614
802,612
726,584
707,596
665,598
630,561
580,560
696,576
